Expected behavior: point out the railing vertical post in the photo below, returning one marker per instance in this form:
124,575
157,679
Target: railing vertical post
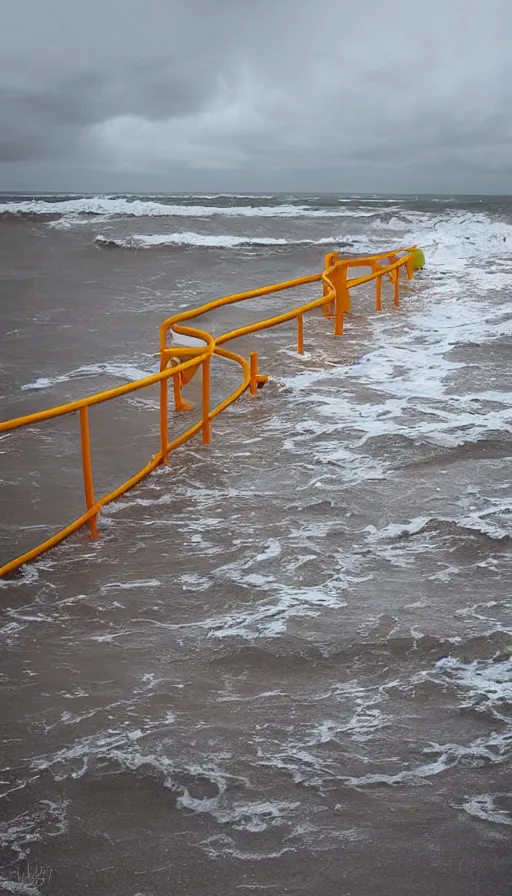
254,373
300,334
164,426
207,435
87,468
342,301
378,293
329,260
391,260
179,402
396,300
176,387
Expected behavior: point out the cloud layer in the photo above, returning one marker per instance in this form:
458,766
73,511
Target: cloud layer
274,94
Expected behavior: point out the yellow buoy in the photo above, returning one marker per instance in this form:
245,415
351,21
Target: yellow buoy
418,260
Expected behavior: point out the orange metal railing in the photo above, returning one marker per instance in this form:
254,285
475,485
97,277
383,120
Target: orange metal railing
181,363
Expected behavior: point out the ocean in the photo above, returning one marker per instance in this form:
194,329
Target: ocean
285,666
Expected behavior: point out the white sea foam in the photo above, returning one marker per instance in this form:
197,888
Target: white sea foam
482,751
487,611
412,374
10,631
120,207
270,618
20,887
476,520
46,818
224,241
401,545
188,238
411,368
125,503
366,719
251,816
486,684
123,370
317,837
122,746
128,586
125,748
220,845
460,237
272,550
194,582
484,807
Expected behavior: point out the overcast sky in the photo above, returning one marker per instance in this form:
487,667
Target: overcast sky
341,95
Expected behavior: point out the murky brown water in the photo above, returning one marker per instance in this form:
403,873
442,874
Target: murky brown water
286,663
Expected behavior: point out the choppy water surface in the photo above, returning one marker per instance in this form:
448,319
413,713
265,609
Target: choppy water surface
286,664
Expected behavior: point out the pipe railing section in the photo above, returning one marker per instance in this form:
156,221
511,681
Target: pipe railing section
181,362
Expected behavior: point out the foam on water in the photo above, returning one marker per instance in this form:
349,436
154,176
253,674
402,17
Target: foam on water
124,750
29,574
476,521
484,807
226,241
411,371
272,550
121,207
20,887
207,241
127,586
349,741
402,544
251,816
316,769
123,370
460,239
486,684
269,618
366,721
46,818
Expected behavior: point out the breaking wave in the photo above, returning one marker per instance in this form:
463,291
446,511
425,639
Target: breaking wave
210,241
144,208
120,370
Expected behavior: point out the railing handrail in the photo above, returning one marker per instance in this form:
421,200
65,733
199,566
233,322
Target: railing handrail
108,394
335,302
232,300
363,261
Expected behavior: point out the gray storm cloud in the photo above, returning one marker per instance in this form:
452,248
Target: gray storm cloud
275,94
